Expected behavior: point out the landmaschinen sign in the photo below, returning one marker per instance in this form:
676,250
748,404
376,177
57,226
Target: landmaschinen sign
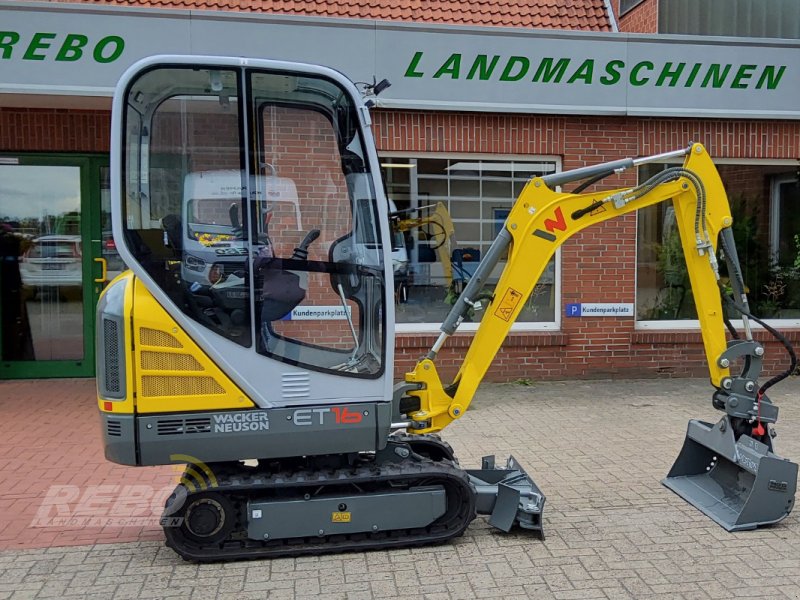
79,49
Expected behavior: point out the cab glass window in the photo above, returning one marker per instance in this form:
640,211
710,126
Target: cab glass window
318,279
185,194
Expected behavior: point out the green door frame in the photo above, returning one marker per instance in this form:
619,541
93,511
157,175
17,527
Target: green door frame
91,236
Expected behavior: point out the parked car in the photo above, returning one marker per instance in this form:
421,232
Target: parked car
52,261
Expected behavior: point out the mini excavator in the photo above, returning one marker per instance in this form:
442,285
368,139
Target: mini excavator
438,231
252,338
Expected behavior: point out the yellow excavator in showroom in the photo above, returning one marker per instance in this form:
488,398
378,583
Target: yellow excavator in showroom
439,236
253,336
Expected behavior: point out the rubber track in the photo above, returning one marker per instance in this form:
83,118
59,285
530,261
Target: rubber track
238,483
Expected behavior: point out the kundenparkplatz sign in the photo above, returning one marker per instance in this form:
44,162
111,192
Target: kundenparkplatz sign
77,49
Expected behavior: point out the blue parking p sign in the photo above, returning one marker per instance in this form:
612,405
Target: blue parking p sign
599,309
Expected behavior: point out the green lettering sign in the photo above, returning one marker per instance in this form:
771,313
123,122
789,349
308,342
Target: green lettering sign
769,77
72,48
411,71
714,76
672,74
486,67
520,63
117,45
635,79
741,75
547,72
7,41
584,72
612,75
693,75
39,41
480,67
452,67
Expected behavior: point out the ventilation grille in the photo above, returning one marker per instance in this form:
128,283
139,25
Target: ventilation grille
183,426
114,428
111,376
165,385
167,361
154,337
295,385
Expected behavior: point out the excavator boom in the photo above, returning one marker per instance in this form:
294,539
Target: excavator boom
542,220
727,470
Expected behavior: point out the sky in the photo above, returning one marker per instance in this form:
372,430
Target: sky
30,191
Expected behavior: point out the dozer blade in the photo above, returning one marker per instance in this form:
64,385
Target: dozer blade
508,495
740,483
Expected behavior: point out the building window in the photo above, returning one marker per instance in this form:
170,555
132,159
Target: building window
628,5
475,194
765,205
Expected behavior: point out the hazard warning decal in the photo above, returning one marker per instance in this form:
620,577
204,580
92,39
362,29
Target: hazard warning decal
598,210
507,305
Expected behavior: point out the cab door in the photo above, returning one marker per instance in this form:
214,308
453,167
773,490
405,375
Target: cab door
52,266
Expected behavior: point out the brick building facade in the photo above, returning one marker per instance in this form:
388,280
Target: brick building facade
597,265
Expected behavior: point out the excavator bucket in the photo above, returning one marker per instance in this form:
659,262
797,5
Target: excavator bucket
739,483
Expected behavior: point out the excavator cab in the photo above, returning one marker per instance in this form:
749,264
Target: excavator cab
248,209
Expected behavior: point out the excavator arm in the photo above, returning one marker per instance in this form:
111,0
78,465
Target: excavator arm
440,230
727,470
542,220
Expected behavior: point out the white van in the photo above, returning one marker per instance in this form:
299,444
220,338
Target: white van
214,232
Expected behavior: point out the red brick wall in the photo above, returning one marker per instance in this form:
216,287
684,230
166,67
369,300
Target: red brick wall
641,19
303,148
723,138
54,130
597,264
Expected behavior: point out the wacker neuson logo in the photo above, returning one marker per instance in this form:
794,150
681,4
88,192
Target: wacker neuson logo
483,67
69,47
241,421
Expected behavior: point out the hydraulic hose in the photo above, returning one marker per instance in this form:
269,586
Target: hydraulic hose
591,181
777,335
774,332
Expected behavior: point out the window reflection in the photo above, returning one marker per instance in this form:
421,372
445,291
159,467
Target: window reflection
41,281
764,201
476,195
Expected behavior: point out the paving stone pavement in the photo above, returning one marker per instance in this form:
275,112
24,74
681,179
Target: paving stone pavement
597,449
51,442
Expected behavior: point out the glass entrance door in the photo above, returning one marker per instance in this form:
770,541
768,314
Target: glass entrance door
49,238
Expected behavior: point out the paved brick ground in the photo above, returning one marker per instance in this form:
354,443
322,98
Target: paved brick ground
597,449
51,440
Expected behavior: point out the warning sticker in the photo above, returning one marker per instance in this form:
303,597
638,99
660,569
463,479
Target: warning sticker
598,210
507,305
340,517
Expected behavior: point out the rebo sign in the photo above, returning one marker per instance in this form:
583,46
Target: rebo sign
68,47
